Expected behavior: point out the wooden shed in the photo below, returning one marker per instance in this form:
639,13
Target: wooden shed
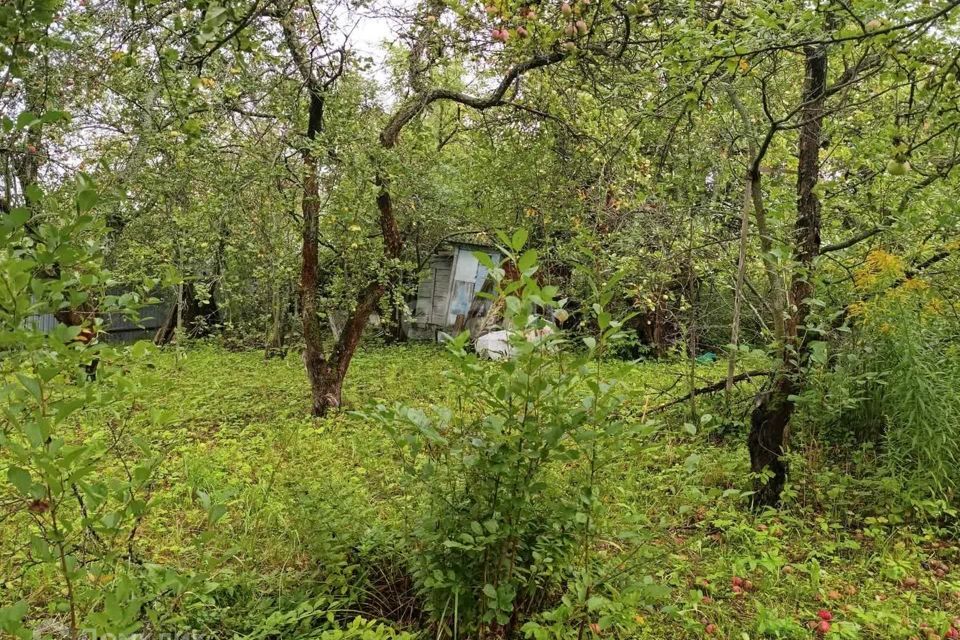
447,296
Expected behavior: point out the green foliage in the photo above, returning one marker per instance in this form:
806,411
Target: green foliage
893,384
500,530
75,496
324,509
162,142
78,516
301,623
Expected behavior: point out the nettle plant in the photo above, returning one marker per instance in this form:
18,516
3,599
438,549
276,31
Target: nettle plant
508,472
73,502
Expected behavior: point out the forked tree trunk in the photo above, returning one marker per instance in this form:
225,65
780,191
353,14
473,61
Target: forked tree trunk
325,386
770,420
769,433
775,296
326,374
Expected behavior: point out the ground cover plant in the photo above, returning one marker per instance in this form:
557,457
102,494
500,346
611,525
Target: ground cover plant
316,511
476,320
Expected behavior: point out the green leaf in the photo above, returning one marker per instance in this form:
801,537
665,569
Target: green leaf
11,619
35,433
490,591
18,217
216,16
55,116
21,479
527,260
484,258
818,351
519,239
31,385
86,199
141,348
430,433
26,120
34,193
217,511
110,520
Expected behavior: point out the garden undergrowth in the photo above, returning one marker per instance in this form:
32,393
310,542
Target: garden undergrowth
314,510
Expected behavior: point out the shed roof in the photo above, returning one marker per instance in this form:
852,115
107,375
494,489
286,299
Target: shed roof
480,240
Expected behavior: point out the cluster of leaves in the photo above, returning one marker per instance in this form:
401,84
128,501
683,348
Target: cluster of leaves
77,519
501,532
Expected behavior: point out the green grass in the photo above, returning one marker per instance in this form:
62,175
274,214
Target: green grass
319,506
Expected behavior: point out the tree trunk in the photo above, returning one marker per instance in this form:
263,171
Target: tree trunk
738,284
770,420
282,310
753,190
769,433
776,302
325,387
326,374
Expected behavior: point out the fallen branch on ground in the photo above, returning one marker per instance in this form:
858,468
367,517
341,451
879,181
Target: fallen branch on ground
711,388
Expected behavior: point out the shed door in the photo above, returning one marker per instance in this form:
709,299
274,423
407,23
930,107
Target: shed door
464,285
441,291
422,314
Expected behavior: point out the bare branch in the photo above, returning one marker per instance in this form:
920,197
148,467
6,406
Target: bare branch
417,103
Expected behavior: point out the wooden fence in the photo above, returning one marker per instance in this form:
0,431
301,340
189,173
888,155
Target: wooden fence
119,328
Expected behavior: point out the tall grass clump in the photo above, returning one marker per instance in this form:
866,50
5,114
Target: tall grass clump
893,383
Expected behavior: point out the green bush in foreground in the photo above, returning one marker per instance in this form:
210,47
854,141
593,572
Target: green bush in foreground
502,530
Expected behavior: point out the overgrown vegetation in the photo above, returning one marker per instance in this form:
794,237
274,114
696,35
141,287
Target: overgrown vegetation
320,517
691,265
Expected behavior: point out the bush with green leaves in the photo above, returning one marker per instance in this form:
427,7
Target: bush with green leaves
508,471
78,499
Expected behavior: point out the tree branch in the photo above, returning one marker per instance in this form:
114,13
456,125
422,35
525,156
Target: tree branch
710,388
417,103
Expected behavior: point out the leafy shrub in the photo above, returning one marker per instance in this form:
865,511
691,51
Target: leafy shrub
78,502
508,472
76,484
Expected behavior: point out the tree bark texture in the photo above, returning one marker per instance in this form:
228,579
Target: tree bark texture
770,420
